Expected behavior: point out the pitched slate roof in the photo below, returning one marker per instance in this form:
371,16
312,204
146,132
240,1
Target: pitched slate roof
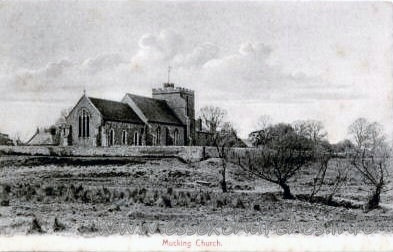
115,111
155,110
42,138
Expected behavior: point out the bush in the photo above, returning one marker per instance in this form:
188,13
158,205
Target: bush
49,191
87,229
35,227
239,203
165,202
57,226
219,203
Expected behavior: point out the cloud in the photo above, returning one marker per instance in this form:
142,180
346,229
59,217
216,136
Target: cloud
103,62
33,83
244,75
198,57
156,49
249,75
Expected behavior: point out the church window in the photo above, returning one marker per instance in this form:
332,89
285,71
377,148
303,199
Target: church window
141,136
111,137
136,138
158,136
176,137
124,137
84,124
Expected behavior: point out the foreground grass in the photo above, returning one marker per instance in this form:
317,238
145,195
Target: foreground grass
71,197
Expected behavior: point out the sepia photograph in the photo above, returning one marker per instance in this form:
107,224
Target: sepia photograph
196,125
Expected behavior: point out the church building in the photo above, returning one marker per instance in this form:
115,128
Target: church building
168,118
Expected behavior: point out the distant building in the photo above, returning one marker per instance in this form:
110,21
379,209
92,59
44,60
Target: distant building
168,118
248,142
45,137
5,140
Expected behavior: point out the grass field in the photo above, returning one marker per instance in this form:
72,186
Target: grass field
70,195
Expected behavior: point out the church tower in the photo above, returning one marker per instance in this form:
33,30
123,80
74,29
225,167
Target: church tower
182,102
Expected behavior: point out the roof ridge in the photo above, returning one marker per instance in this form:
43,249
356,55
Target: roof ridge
105,99
146,97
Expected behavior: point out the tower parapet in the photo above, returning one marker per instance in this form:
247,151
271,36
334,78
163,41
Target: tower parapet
170,88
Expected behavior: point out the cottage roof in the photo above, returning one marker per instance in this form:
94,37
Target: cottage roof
43,137
155,110
115,111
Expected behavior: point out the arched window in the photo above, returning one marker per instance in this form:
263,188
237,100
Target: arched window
158,136
141,136
168,138
136,138
176,137
111,137
124,137
84,124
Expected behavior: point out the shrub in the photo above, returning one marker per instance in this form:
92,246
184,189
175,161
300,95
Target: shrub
87,229
132,194
57,226
219,203
239,203
49,190
35,227
166,201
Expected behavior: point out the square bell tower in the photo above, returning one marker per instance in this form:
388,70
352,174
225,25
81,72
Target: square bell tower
182,102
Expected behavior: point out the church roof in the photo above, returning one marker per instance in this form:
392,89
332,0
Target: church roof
155,110
115,111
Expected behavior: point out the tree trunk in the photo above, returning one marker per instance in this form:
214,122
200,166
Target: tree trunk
223,175
374,200
287,191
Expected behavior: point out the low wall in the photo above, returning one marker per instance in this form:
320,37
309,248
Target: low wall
187,153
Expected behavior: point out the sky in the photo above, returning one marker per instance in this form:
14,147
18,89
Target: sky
290,60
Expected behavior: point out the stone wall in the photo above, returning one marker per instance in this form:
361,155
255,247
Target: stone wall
118,129
203,138
167,139
187,153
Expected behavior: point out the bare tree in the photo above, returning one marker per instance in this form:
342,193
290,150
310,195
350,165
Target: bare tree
311,129
212,117
340,178
223,141
323,154
282,155
370,157
223,136
263,122
359,130
63,116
